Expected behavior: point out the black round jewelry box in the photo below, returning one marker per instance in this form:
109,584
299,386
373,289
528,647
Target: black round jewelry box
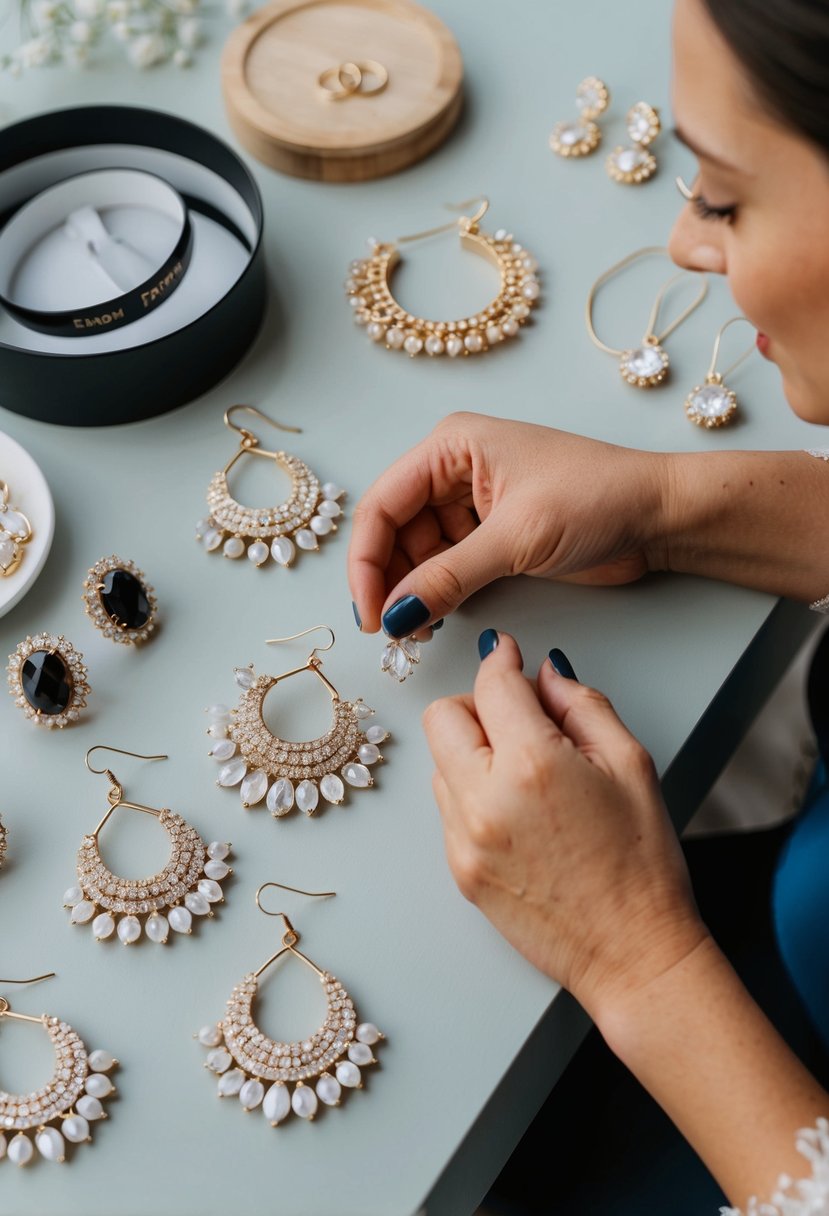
196,336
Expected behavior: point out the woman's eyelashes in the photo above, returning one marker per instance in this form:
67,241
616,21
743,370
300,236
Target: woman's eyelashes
708,211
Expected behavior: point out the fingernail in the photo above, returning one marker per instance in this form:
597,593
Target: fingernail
487,642
356,615
562,665
405,616
439,624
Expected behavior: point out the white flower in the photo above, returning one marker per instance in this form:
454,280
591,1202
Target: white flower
189,32
182,59
45,13
146,50
88,9
35,52
81,32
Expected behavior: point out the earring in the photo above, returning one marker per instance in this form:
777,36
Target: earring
4,842
283,772
309,513
47,678
374,306
632,166
186,887
236,1040
119,601
15,534
646,365
400,657
582,137
713,403
64,1108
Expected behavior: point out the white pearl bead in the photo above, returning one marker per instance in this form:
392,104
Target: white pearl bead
357,775
306,539
76,1129
332,788
50,1144
157,928
501,234
230,1083
348,1074
103,926
520,310
360,1053
283,550
329,1090
101,1061
367,1032
510,327
321,526
234,547
493,334
218,850
180,919
395,338
254,787
196,903
251,1094
529,262
89,1108
376,331
129,929
21,1150
216,869
211,539
331,490
219,1060
454,346
211,890
218,711
281,796
329,508
82,912
223,750
232,773
276,1103
217,730
307,797
210,1036
473,342
435,345
258,552
98,1085
376,734
413,345
304,1102
530,290
72,897
369,753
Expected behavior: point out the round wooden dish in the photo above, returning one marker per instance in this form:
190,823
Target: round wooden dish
270,71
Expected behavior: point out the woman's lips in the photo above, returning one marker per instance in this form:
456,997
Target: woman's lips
763,344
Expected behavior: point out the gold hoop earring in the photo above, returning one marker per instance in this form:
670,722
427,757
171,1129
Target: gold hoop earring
119,601
63,1109
582,137
283,773
714,404
48,680
188,885
244,1057
310,512
634,165
646,365
15,534
370,297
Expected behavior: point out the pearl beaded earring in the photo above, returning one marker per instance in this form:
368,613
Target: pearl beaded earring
634,165
582,137
244,1058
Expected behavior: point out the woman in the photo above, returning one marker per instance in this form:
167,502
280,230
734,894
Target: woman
585,827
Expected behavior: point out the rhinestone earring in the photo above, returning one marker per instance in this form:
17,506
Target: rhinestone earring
374,306
713,403
310,512
281,772
646,365
63,1109
188,885
634,165
15,534
582,136
47,679
245,1058
119,601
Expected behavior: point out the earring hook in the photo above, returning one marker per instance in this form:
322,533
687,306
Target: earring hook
115,796
293,636
296,891
35,979
248,438
5,1007
290,937
105,747
712,371
464,222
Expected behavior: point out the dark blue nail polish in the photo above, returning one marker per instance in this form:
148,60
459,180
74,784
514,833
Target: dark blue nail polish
439,624
487,642
562,665
356,615
405,616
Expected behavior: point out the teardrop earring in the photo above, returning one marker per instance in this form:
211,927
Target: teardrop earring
319,1067
188,885
311,511
284,773
63,1109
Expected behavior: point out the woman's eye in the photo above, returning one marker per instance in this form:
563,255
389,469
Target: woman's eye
707,211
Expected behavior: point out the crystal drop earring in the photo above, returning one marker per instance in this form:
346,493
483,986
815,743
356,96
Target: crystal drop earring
62,1110
188,885
646,365
582,137
246,1060
15,534
283,773
634,165
714,404
310,512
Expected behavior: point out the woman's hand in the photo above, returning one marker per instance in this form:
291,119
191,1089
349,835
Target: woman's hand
483,497
555,828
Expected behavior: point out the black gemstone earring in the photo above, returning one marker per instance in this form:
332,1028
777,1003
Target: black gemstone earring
119,601
47,679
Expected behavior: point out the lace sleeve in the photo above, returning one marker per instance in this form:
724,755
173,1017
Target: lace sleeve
808,1196
821,605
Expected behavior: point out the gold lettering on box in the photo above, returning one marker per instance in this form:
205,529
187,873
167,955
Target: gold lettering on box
105,318
154,293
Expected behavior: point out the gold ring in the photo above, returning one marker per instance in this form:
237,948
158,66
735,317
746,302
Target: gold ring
348,77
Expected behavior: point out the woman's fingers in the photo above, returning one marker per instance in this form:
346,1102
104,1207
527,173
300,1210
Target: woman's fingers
456,739
506,702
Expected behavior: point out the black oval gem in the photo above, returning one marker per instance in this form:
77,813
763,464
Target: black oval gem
46,682
124,599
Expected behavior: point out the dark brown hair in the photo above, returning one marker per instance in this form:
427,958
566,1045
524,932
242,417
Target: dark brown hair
784,47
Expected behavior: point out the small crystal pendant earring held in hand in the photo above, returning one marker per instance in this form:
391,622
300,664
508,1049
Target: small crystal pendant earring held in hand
62,1110
713,403
258,1071
646,365
582,136
634,165
284,773
15,534
309,513
188,885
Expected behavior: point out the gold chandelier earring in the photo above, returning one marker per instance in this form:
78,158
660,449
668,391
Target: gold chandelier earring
646,365
320,1067
188,885
713,403
62,1110
582,136
368,289
282,773
310,512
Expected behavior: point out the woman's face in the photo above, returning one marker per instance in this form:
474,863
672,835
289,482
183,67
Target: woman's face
762,210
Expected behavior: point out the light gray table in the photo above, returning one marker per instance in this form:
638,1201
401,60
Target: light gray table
476,1037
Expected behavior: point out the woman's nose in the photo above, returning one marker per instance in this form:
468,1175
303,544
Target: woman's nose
695,244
